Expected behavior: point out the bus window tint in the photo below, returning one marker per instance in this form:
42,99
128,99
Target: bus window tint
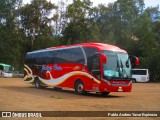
77,55
46,58
71,55
90,54
139,72
63,56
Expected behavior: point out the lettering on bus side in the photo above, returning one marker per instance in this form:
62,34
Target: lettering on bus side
47,68
55,67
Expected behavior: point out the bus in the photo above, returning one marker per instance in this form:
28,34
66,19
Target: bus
6,70
86,67
140,75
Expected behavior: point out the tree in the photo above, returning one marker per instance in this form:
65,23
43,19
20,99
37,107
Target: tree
103,15
80,27
36,19
149,35
11,44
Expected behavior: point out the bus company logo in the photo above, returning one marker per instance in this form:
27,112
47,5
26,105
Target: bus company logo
57,67
47,68
6,114
76,68
21,114
118,82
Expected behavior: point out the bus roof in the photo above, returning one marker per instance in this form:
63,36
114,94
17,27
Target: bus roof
4,64
99,46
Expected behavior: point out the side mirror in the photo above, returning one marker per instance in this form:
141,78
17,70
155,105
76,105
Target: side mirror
103,58
137,61
134,61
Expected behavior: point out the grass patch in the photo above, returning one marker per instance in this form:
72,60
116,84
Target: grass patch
52,96
59,97
56,97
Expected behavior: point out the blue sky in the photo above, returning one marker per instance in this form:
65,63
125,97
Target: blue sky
148,3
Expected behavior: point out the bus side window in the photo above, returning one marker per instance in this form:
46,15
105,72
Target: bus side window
90,53
95,62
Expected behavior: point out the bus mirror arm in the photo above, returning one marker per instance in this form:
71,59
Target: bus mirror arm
103,58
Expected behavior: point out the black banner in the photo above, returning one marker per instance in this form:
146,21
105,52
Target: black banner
79,113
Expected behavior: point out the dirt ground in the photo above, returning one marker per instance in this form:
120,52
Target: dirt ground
15,95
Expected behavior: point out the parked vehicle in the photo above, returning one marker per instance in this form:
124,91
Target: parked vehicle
18,74
140,75
6,70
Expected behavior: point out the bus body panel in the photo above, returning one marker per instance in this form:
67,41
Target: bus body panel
66,74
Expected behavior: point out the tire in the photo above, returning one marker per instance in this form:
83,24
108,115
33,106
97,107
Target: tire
79,88
134,81
105,93
37,84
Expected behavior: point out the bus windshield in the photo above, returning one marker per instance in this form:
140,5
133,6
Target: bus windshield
8,69
118,65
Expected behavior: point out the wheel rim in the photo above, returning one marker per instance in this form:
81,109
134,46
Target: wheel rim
37,84
80,88
134,80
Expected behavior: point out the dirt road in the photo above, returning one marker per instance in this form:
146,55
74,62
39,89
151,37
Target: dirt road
15,95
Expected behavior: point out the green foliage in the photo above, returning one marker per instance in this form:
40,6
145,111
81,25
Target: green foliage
81,26
35,20
11,48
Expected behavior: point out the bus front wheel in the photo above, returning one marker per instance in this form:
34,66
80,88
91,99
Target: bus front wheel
79,88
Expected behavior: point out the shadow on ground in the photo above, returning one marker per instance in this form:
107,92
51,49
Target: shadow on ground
50,91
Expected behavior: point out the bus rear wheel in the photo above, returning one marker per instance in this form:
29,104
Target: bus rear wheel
79,88
37,84
134,80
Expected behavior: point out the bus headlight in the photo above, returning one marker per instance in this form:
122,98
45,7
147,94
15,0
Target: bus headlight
107,82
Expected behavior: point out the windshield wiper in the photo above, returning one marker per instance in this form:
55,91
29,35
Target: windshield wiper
124,73
119,68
